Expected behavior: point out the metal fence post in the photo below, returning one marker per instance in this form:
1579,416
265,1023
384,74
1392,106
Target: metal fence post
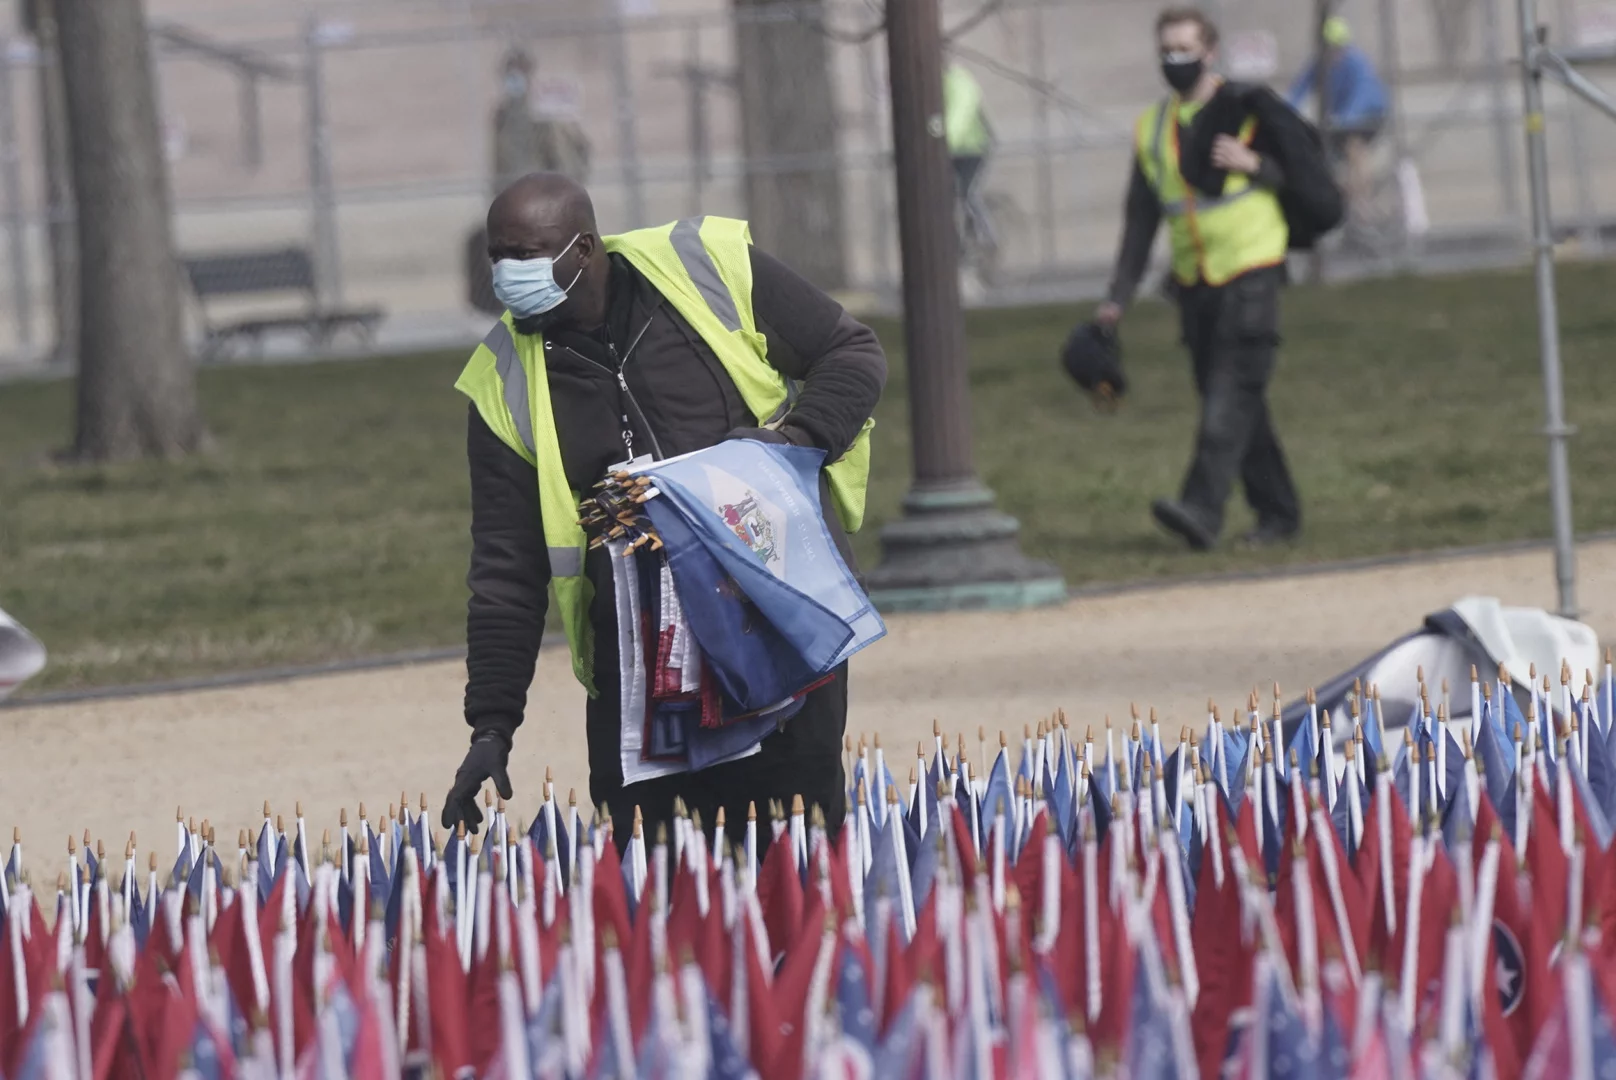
1576,134
1045,179
327,258
627,136
10,180
1503,136
1391,66
879,182
1555,427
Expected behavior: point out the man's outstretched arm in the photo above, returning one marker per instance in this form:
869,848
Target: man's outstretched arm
509,578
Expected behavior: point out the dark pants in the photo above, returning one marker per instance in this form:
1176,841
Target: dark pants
803,759
1232,333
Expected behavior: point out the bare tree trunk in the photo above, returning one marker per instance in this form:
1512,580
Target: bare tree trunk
137,384
39,19
788,119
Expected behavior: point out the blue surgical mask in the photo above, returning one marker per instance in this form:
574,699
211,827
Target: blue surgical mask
527,287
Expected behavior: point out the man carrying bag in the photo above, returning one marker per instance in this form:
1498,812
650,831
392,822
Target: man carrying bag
1240,179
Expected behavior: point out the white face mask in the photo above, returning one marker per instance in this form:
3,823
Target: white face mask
528,288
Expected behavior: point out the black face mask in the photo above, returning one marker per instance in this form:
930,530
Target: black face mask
1182,75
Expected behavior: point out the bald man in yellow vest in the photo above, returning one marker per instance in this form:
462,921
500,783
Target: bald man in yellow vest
655,342
1228,265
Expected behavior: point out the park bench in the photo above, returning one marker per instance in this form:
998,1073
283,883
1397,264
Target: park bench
246,273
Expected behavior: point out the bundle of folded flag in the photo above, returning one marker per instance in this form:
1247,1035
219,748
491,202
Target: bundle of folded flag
1246,901
732,600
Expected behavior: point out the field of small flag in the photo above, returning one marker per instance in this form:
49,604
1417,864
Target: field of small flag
1352,896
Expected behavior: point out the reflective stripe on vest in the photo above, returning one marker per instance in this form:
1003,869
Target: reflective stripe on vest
686,239
1158,142
564,561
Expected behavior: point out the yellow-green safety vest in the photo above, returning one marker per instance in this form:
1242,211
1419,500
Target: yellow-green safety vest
964,126
703,267
1214,239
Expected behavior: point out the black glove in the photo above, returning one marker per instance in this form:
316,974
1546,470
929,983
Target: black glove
1092,356
484,761
785,435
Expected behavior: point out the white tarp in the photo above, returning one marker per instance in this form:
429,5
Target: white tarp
21,655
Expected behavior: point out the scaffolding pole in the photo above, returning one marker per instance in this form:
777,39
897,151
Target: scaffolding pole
1537,60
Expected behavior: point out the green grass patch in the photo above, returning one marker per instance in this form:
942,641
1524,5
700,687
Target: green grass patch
330,521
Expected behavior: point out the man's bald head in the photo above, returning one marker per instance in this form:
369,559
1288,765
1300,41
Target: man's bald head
546,215
539,215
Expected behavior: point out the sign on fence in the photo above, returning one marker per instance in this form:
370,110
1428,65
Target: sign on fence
1595,26
1253,55
558,96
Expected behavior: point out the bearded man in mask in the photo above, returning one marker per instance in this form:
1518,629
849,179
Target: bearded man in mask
651,343
1228,265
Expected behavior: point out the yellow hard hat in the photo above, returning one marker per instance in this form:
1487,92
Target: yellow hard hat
1336,31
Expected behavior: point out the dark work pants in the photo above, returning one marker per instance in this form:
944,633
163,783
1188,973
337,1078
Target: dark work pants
803,759
1232,333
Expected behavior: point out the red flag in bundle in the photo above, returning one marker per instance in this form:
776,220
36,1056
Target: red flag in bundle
1439,905
1223,956
162,1013
36,957
1119,961
794,1002
228,941
610,900
832,855
779,893
482,993
762,1019
447,995
700,936
1369,865
905,964
1068,964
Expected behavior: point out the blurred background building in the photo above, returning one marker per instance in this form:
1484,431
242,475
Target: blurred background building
363,131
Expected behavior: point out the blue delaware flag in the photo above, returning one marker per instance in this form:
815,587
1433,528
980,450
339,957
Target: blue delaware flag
756,665
755,506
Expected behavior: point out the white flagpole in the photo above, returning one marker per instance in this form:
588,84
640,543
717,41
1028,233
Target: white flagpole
1409,982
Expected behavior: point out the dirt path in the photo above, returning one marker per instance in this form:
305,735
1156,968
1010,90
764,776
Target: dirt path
331,741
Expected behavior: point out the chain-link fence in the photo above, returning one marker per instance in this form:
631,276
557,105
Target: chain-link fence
331,162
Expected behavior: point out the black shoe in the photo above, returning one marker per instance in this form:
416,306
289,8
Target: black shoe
1182,522
1270,534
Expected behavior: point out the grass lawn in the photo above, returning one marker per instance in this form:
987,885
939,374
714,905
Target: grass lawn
331,519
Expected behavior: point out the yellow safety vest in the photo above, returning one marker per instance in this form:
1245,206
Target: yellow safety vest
1214,240
702,266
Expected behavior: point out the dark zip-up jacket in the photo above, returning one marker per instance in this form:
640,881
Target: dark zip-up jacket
645,382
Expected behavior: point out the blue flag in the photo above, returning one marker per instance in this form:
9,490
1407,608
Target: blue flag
755,506
756,665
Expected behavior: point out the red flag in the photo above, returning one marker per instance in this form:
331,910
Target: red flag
482,1007
793,1002
448,997
1067,959
762,1018
1380,950
779,893
1116,1014
1223,958
1439,903
611,901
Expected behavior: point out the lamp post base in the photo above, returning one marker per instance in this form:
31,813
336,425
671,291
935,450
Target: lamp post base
953,551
